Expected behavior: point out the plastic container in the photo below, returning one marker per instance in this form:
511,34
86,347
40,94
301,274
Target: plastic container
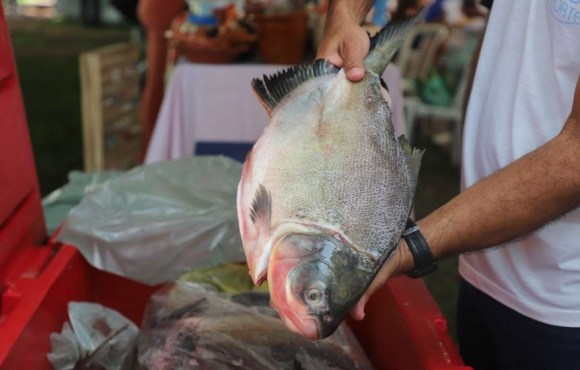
403,329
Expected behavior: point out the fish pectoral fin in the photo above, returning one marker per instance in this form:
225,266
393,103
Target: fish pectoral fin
261,210
413,155
272,89
259,267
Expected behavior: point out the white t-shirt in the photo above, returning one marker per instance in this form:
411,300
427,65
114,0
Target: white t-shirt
521,97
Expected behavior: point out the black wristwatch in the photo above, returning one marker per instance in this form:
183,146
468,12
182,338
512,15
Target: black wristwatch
424,261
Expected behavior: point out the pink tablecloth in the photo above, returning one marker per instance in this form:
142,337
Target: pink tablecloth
215,103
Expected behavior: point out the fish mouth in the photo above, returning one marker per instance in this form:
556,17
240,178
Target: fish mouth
299,254
302,324
327,331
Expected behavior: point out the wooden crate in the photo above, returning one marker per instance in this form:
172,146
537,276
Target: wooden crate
110,107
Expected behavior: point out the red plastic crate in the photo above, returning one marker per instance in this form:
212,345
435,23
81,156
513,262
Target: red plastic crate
403,329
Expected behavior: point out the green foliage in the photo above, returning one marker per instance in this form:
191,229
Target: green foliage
47,56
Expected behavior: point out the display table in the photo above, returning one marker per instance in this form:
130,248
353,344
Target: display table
209,103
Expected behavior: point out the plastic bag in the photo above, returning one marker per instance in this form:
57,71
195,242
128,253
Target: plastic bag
58,204
158,221
191,326
100,338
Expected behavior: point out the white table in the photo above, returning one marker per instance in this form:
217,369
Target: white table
215,103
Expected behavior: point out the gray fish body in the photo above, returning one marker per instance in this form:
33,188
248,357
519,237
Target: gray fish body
326,191
331,158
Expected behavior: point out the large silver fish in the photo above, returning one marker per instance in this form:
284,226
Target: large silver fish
326,191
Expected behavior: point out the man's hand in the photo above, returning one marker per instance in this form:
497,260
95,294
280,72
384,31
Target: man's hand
345,45
344,42
401,262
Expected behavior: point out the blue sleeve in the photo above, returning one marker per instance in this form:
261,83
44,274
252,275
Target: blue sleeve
435,11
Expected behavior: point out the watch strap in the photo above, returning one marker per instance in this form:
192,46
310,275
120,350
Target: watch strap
424,261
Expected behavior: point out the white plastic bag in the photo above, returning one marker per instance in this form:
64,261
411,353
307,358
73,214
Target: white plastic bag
99,337
158,221
58,203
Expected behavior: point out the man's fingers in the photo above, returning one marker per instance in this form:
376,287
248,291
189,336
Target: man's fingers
355,73
346,50
358,312
388,270
328,50
354,52
335,59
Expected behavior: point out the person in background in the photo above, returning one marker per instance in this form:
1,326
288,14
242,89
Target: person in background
128,8
435,12
406,8
454,13
516,222
155,16
380,13
471,8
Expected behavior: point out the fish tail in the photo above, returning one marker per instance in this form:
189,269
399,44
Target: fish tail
387,41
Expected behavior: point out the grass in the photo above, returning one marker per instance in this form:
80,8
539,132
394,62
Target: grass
47,58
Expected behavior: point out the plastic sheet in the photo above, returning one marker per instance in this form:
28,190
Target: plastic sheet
191,326
158,221
59,203
100,338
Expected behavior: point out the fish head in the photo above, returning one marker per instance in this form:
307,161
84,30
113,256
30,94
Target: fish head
314,282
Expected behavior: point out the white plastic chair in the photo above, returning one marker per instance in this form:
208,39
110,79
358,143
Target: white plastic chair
462,43
417,53
416,109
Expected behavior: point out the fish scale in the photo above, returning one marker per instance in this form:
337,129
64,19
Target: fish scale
327,189
352,184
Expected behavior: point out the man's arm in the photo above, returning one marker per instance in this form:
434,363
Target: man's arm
344,42
520,198
516,200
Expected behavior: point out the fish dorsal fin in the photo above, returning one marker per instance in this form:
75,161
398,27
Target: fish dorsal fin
261,210
272,89
413,155
387,41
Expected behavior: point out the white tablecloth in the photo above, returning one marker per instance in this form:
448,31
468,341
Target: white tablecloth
215,103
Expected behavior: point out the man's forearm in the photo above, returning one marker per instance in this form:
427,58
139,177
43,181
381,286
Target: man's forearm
508,204
512,202
356,10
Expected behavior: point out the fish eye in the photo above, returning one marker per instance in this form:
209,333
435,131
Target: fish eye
314,296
